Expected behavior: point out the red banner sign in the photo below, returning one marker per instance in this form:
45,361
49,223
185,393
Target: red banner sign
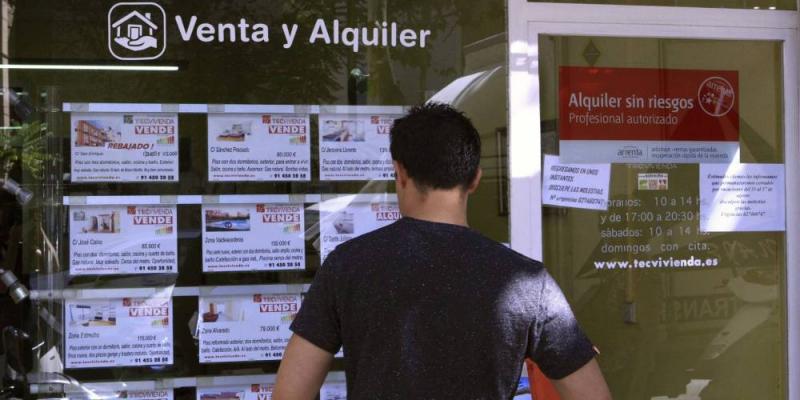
650,114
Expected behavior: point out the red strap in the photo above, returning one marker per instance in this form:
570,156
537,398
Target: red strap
541,387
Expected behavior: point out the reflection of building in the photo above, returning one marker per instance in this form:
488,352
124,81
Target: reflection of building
90,135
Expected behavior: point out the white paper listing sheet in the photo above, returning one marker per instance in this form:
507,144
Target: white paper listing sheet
253,237
333,391
245,328
256,391
91,391
118,332
124,147
355,147
107,240
339,224
259,147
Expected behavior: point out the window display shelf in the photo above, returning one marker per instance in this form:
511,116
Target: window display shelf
190,108
170,291
226,199
363,109
58,383
230,108
190,199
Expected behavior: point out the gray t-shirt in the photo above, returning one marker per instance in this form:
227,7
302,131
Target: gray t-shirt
427,310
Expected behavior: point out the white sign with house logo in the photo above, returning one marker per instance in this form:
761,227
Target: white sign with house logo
108,240
124,147
137,31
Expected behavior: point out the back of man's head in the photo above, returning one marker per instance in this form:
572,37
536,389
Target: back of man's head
438,147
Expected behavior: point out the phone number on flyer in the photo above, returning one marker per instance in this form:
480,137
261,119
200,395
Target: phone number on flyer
156,177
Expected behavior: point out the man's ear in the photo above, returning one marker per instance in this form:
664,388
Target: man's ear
401,175
473,186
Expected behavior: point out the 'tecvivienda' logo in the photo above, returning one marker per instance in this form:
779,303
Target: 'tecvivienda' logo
137,31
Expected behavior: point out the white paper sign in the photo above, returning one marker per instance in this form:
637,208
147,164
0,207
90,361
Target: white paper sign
742,198
333,391
236,392
340,225
259,147
124,147
253,237
107,240
118,332
355,147
245,328
93,391
575,185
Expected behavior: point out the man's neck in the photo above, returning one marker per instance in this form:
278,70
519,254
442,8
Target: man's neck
443,206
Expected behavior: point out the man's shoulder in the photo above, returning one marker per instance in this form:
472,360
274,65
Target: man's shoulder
375,241
474,246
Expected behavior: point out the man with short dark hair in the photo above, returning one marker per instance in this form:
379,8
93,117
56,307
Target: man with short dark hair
427,308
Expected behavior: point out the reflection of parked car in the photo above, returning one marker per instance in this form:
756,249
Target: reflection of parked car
230,225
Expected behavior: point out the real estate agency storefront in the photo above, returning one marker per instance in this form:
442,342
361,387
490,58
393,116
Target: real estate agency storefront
193,163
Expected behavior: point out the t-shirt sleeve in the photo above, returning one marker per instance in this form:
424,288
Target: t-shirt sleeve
318,319
559,345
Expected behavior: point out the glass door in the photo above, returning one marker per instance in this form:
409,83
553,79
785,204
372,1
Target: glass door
659,188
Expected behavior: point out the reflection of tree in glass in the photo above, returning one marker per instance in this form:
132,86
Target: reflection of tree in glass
463,21
213,72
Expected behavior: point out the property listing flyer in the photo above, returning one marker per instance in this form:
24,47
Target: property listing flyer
355,147
259,147
245,328
648,115
333,391
92,392
107,240
339,225
124,147
118,332
255,391
253,237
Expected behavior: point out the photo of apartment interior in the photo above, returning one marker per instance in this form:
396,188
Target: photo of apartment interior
344,224
224,311
343,131
103,223
94,315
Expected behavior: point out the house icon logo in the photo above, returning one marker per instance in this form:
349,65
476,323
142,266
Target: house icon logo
137,31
